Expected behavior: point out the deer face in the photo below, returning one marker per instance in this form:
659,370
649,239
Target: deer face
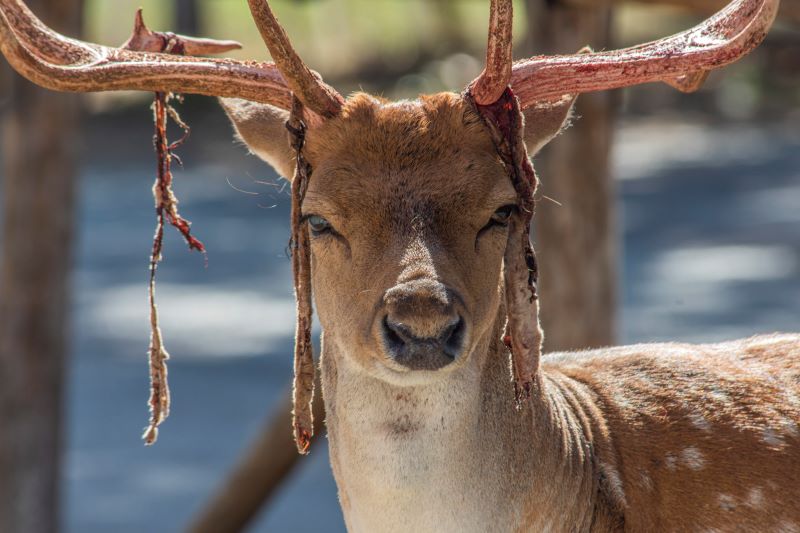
406,243
407,208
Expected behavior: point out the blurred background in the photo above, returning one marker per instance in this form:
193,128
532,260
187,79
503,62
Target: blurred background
673,217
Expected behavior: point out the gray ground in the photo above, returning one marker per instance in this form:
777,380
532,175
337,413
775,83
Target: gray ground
710,218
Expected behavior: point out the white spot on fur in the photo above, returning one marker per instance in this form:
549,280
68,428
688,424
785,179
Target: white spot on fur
646,481
693,458
755,497
726,502
788,527
644,382
793,399
614,483
790,427
720,395
670,462
700,422
624,402
771,438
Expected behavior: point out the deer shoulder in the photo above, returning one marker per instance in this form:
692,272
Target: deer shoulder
711,430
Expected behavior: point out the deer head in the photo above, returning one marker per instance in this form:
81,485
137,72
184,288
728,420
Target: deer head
411,218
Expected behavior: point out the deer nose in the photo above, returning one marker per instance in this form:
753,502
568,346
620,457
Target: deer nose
422,329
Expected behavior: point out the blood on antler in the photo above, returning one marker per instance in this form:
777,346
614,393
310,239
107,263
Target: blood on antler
142,39
682,61
489,86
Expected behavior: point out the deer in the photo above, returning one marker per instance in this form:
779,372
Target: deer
411,222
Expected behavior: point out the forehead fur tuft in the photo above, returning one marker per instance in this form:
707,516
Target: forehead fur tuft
393,135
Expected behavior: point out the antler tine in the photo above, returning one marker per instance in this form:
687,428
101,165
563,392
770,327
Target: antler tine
305,83
681,61
56,62
144,40
490,84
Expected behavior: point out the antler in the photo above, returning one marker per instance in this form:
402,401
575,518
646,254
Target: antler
305,83
682,61
144,40
57,62
490,84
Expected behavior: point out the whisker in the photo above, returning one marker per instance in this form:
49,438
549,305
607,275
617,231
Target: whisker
235,188
559,204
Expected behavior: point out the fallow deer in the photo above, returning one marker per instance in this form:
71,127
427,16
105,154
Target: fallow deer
411,221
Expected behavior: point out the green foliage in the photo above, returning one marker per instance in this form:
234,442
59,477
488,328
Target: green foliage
336,37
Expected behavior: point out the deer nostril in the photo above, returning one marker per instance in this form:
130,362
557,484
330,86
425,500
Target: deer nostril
452,338
428,353
393,335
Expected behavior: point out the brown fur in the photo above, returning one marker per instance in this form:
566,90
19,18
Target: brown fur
662,437
711,430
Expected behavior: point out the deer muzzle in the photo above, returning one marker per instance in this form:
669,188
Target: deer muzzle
422,328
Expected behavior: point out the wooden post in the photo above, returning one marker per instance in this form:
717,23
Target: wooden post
576,241
39,138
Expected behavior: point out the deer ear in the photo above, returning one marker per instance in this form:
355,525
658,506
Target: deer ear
262,128
546,120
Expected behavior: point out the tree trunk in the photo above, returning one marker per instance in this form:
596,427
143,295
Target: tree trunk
186,17
576,239
39,132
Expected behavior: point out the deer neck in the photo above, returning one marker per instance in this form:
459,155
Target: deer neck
456,454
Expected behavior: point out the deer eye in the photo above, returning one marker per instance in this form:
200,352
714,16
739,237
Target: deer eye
501,216
318,224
